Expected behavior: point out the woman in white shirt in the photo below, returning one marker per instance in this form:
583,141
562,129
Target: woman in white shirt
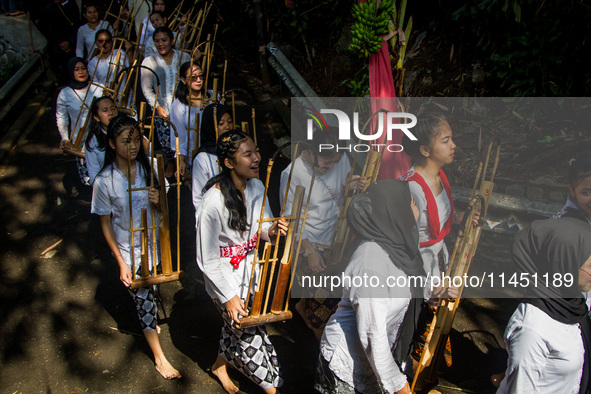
327,196
433,150
87,32
102,110
147,29
185,109
127,166
105,66
226,241
165,64
72,106
367,340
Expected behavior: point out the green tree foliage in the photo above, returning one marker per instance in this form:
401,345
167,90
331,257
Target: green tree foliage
533,48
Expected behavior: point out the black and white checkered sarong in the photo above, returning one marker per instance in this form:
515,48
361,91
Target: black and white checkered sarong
145,299
250,351
163,134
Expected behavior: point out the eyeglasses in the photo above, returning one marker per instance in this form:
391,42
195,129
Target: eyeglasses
196,77
108,41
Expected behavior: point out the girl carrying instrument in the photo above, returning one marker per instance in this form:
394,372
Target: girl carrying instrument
433,150
165,65
105,66
185,111
72,106
102,110
127,166
366,341
226,239
87,32
327,195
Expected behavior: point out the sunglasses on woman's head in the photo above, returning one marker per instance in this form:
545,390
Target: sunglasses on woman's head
196,77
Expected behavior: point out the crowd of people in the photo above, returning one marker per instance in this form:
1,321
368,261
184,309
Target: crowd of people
368,343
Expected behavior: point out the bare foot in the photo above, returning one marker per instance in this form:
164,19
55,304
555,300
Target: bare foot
167,371
220,370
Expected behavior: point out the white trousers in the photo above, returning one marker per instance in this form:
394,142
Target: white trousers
545,356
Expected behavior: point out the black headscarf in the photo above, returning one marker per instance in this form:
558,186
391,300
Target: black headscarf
74,84
382,214
208,124
554,246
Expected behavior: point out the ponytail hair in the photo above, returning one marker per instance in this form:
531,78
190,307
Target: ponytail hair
427,129
94,127
227,145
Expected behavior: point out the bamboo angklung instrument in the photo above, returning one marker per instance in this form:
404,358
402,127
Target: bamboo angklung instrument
193,27
247,100
174,17
122,88
77,147
115,67
262,284
125,25
460,261
162,242
142,109
341,237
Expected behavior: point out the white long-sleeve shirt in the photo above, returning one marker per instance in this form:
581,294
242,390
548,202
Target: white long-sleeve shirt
325,205
95,158
104,71
205,167
167,74
358,339
86,37
150,46
222,280
179,116
69,107
146,31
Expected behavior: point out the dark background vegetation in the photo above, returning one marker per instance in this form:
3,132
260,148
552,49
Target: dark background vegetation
457,48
